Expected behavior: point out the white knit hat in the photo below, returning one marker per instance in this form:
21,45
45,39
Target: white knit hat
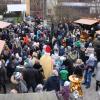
15,77
92,57
67,83
17,55
62,58
90,44
18,75
39,86
13,91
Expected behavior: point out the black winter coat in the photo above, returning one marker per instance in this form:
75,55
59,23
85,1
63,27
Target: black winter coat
29,75
3,75
53,83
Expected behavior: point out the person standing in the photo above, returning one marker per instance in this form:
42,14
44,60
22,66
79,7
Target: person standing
65,91
53,82
90,64
30,78
96,45
3,77
19,82
46,62
63,76
82,53
89,51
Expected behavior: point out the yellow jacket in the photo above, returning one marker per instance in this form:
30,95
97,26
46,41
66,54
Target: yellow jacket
47,65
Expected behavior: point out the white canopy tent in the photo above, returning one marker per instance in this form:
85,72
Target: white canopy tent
87,21
4,24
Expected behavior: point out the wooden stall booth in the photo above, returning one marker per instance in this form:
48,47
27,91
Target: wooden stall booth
86,25
4,25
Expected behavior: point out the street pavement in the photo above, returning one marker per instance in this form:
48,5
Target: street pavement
90,93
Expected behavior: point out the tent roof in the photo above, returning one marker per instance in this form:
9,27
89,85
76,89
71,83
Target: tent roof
30,96
2,43
87,21
4,24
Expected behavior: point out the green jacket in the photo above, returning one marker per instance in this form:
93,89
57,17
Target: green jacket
64,74
77,43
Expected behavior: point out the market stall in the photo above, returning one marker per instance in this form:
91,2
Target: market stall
4,25
3,29
87,21
87,27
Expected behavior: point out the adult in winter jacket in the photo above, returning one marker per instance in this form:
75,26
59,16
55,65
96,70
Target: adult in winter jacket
89,51
65,91
40,74
19,82
96,45
79,68
90,63
3,77
29,77
63,76
69,66
46,62
53,82
82,54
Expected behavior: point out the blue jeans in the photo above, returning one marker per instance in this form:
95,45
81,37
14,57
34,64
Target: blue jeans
87,78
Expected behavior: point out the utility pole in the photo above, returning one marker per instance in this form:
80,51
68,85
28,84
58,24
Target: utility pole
27,2
23,12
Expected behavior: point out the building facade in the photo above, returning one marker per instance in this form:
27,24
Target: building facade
51,4
3,4
34,7
77,11
38,7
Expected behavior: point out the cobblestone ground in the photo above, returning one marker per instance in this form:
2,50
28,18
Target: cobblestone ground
91,94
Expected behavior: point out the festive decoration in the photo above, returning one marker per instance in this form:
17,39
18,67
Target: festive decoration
75,84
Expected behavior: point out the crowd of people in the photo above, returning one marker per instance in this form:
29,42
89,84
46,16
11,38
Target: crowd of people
41,58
